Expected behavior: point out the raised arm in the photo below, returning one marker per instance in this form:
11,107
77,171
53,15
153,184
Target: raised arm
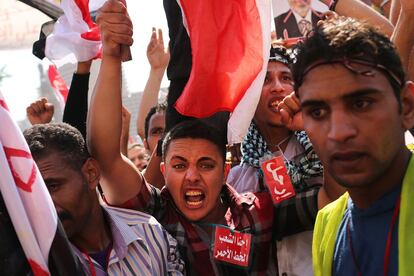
126,119
122,180
403,36
158,58
76,107
359,10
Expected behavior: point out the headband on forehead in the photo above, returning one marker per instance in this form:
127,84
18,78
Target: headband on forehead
279,55
351,64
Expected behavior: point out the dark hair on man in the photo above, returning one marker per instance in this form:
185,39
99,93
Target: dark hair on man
159,108
194,129
43,139
348,39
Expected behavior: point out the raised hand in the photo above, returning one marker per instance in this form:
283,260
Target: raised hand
115,26
40,112
291,113
158,56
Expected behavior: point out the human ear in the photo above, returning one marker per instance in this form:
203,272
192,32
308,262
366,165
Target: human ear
162,168
407,105
91,172
146,144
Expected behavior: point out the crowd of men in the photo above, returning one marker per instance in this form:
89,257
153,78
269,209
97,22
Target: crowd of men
329,129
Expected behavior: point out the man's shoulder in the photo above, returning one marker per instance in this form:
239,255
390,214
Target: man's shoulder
333,211
132,217
282,17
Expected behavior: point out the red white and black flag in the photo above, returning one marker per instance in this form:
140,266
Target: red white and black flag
29,205
230,43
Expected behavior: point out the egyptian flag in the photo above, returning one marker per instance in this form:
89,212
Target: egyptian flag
29,205
58,85
230,42
75,35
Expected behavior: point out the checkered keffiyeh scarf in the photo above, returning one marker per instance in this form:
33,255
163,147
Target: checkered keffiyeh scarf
254,147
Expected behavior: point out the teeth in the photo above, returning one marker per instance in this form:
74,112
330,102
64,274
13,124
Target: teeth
275,103
193,193
194,202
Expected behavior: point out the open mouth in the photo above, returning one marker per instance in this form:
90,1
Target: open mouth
273,104
194,198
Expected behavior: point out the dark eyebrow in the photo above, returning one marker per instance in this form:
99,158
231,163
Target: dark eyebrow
361,93
51,179
179,157
355,94
202,159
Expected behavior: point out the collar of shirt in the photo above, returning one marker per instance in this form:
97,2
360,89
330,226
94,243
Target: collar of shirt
308,16
122,234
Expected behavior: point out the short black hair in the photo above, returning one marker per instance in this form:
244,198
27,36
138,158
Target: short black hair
194,129
159,108
43,139
346,38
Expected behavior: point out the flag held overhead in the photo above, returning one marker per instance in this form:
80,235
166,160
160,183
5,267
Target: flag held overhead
226,42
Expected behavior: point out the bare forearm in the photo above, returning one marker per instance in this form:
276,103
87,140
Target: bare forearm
403,38
395,11
153,173
149,97
359,10
104,118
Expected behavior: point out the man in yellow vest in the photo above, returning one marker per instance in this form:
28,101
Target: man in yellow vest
356,106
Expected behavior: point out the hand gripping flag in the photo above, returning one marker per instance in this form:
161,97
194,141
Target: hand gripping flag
30,206
58,84
74,34
230,43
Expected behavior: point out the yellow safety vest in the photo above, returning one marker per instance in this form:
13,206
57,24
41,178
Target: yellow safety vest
329,219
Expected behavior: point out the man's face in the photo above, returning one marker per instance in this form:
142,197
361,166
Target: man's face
156,128
353,122
300,6
277,85
138,156
69,191
194,175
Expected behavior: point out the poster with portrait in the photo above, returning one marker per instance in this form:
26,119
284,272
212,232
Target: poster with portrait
295,18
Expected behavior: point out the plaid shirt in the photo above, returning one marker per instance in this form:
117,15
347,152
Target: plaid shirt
252,213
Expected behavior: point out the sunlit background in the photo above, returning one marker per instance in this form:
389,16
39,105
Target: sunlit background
23,77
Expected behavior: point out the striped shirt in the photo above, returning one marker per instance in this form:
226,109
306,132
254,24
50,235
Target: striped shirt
141,246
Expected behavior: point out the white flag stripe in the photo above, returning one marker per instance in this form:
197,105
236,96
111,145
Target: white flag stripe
243,113
66,38
37,212
17,213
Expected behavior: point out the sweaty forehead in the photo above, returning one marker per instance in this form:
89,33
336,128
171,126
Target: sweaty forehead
52,165
334,80
189,148
157,120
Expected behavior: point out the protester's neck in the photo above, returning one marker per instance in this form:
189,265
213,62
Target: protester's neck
96,234
216,216
390,179
273,135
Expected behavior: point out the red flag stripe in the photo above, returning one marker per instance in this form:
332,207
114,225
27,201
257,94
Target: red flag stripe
26,186
58,83
226,41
